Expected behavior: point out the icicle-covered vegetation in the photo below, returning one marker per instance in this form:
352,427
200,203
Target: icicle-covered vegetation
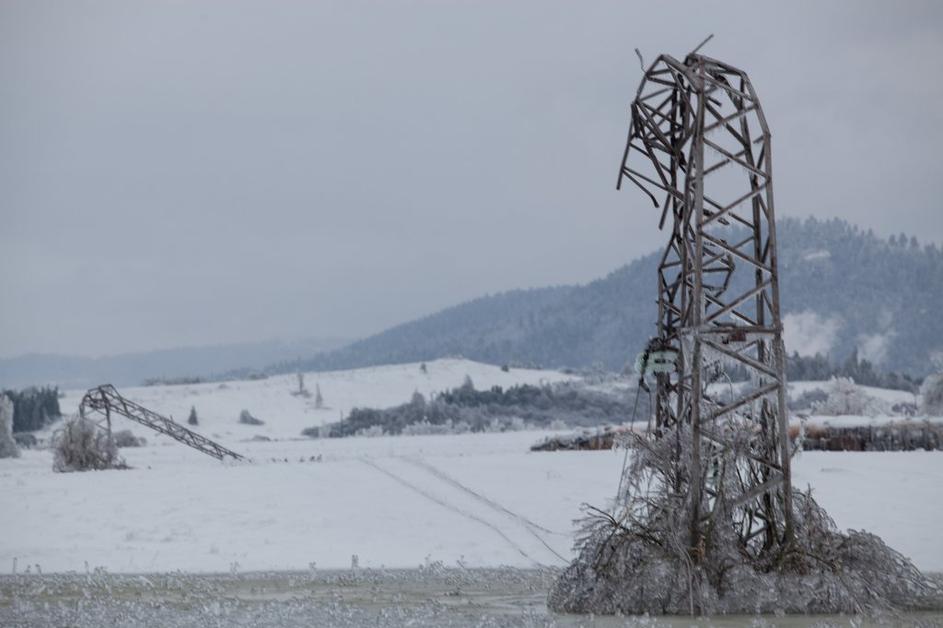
8,448
81,446
638,558
931,395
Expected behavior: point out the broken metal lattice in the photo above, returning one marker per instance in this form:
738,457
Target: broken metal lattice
699,148
105,399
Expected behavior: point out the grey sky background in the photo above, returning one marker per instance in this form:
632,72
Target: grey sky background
188,173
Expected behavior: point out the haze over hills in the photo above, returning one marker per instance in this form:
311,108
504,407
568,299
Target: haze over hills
843,290
134,368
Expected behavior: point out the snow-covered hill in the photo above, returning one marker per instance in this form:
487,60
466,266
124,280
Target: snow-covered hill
285,414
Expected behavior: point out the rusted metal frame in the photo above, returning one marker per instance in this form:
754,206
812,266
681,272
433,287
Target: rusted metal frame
731,214
653,126
720,164
718,328
723,151
735,250
732,131
656,111
647,129
730,89
629,172
679,71
754,364
778,350
715,301
659,81
108,399
757,491
653,72
659,167
738,301
722,67
723,253
740,254
717,438
756,394
746,197
696,214
641,149
654,93
730,118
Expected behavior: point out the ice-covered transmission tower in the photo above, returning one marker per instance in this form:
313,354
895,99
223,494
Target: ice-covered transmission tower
699,148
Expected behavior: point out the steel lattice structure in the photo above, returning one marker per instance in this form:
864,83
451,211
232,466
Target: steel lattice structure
104,400
699,147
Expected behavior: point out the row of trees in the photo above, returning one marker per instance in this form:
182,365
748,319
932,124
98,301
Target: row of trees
34,408
467,409
861,371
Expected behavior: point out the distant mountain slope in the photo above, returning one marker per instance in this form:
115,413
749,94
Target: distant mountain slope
134,368
843,290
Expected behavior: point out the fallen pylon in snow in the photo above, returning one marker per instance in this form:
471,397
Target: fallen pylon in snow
105,399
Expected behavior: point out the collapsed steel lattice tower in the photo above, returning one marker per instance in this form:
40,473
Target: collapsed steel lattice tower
698,138
103,400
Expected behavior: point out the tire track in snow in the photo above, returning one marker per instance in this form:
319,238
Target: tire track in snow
528,525
451,507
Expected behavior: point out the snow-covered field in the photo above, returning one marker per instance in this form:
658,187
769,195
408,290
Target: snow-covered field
472,499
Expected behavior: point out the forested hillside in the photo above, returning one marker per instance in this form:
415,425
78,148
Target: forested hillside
843,289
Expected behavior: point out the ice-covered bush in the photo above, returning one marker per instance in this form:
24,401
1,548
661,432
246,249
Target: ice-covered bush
125,438
8,448
25,440
425,427
807,399
931,395
847,398
638,557
370,432
247,419
81,446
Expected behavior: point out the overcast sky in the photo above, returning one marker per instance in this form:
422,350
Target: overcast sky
189,173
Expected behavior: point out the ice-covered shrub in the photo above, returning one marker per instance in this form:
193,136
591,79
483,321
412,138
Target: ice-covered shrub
26,440
370,432
931,395
247,419
8,448
125,438
847,398
807,399
638,558
425,427
81,446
